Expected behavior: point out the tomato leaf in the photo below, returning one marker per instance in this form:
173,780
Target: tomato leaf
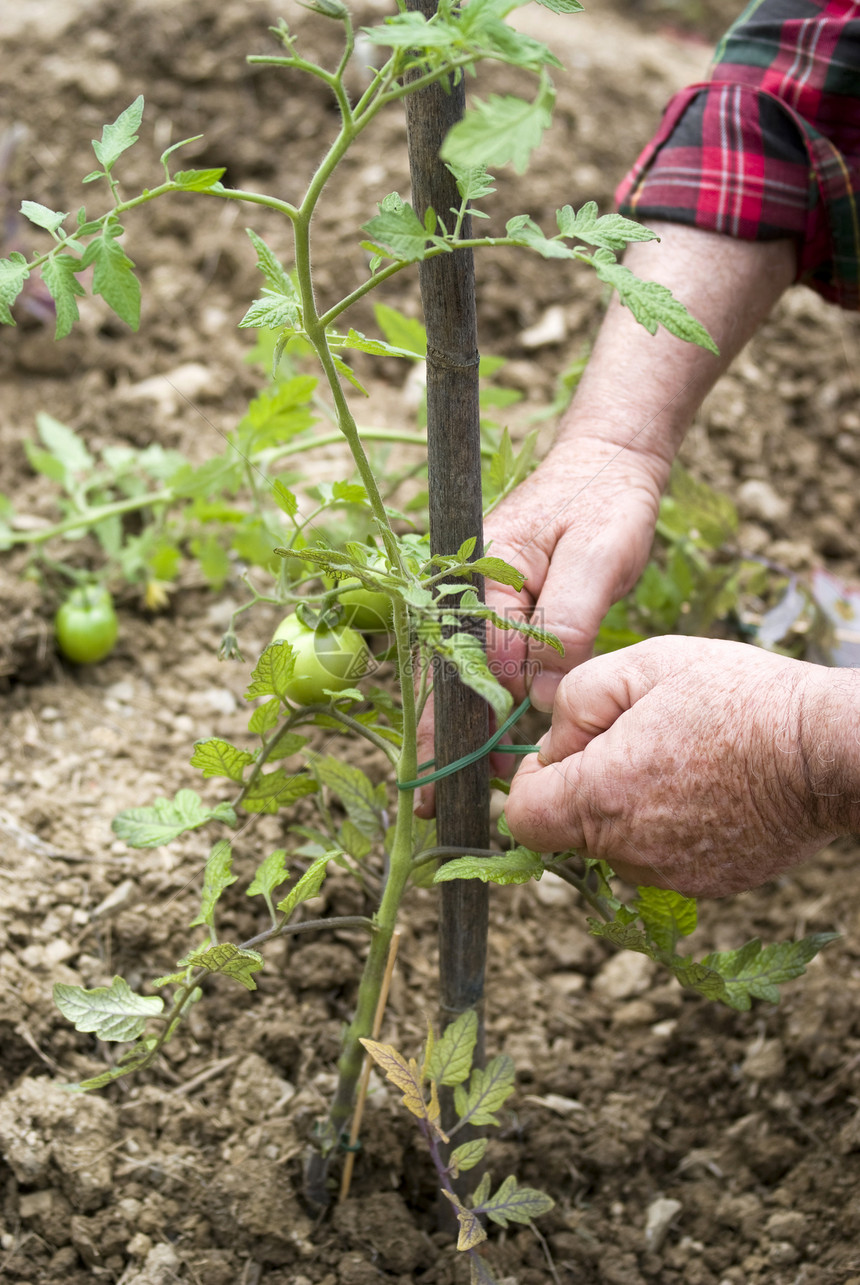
112,1012
215,757
166,819
218,876
230,960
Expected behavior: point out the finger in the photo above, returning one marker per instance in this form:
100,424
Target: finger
594,696
541,808
424,797
581,584
551,808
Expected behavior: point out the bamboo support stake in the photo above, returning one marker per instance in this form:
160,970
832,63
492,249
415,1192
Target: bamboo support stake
355,1127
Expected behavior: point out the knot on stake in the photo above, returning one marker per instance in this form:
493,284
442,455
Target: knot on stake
436,357
491,744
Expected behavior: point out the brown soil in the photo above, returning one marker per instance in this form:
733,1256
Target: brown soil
630,1091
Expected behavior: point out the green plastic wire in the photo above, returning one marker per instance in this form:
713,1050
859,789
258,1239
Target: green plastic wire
491,744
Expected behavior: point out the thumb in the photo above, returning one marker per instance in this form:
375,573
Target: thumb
591,698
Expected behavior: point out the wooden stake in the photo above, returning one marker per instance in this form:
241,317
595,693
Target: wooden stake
361,1096
454,468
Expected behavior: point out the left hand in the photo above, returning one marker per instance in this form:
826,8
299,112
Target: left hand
686,763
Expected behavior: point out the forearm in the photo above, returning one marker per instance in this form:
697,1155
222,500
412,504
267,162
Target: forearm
641,390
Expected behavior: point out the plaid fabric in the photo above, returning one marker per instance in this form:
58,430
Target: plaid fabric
769,146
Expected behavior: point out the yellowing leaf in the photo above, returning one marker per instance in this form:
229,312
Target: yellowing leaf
402,1074
471,1230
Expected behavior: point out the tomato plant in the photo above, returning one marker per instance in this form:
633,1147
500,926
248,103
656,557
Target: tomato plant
327,659
86,625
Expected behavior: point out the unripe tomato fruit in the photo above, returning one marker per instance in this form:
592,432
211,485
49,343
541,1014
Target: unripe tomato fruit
367,610
86,625
326,659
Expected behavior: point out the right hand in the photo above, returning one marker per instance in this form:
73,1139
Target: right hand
580,529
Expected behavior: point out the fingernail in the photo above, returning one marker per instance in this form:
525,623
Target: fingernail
543,688
544,751
418,801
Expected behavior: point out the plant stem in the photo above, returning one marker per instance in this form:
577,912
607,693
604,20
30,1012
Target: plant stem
385,920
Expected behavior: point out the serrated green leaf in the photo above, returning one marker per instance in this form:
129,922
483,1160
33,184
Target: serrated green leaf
166,819
230,960
411,31
609,231
501,131
58,274
13,273
287,744
666,915
112,1012
757,971
120,136
515,1204
306,887
499,570
265,717
482,1191
218,877
284,498
652,304
113,275
352,840
272,791
270,874
198,180
468,657
362,800
273,671
467,1155
274,311
50,220
170,979
523,230
473,182
272,268
376,347
215,757
451,1059
519,865
521,626
489,1088
404,333
398,228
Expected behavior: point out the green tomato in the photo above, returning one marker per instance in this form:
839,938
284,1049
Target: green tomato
367,610
86,625
326,659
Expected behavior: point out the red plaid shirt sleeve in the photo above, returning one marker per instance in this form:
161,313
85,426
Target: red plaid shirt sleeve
769,146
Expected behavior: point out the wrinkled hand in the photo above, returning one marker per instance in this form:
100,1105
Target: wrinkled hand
580,529
693,764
